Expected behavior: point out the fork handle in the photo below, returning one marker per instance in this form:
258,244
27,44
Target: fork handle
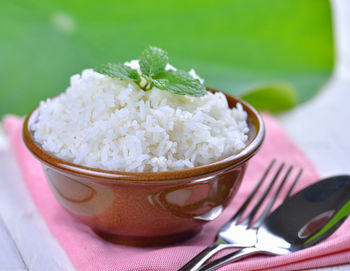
232,257
198,260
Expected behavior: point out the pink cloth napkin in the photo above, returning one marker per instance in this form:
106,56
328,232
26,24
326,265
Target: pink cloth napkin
88,252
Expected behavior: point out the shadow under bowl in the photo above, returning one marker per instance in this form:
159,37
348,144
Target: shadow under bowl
147,209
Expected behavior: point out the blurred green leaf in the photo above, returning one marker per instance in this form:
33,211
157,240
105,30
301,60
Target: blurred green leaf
233,44
272,97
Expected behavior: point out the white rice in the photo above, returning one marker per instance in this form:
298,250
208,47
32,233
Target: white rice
106,123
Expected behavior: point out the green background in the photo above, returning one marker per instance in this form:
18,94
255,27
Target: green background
236,45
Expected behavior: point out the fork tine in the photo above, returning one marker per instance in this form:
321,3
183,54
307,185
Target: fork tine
257,206
294,183
273,198
244,206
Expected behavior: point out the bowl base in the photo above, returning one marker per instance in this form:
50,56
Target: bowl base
141,241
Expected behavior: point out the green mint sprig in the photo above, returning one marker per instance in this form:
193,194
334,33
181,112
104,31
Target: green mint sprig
152,62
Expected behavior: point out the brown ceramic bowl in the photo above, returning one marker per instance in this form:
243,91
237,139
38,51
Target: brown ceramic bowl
147,208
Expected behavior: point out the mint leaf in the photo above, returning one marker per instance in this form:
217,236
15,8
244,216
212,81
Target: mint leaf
153,61
181,83
118,71
153,74
158,83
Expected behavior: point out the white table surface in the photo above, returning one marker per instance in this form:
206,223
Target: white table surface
320,128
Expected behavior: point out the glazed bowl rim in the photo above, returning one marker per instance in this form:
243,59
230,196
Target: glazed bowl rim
149,177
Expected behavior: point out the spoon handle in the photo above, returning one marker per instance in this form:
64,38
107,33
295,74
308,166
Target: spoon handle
231,257
201,257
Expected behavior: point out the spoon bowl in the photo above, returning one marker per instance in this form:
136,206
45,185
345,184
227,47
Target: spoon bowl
309,216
